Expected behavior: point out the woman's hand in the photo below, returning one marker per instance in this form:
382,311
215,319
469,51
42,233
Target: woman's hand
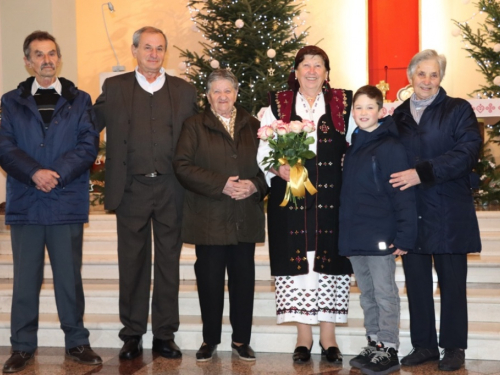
243,189
239,189
397,251
283,172
229,188
405,179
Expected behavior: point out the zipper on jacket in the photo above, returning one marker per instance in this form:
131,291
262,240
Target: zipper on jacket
374,168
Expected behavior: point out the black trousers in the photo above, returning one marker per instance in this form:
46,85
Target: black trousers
64,246
210,267
149,204
451,270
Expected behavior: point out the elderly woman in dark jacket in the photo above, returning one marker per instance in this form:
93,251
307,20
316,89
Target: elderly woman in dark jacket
216,162
442,140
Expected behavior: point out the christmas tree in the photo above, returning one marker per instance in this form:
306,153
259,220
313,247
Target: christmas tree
257,40
483,46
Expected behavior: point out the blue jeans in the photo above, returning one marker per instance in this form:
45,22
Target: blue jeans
379,298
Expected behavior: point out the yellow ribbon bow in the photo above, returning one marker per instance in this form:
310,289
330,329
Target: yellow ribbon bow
298,184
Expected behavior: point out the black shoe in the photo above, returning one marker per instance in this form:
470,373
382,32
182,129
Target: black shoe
166,348
205,353
365,356
302,354
452,360
244,351
131,348
383,362
83,354
417,356
332,354
17,361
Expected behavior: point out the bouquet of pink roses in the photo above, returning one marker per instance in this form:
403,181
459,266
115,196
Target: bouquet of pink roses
289,144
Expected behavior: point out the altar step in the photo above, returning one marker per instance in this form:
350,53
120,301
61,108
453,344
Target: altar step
482,268
102,320
102,298
266,335
100,273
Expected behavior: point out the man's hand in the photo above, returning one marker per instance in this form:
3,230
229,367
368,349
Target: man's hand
45,180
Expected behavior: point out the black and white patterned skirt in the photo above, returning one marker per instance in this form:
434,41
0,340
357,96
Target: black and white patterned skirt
312,298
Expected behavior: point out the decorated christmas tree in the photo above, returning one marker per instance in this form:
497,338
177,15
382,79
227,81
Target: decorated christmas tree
483,45
255,39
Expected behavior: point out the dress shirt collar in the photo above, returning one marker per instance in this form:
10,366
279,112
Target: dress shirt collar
156,85
56,86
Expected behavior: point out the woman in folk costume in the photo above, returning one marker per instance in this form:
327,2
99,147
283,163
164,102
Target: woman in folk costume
312,281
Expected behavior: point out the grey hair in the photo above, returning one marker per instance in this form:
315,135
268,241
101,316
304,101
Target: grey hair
427,54
219,74
147,29
38,35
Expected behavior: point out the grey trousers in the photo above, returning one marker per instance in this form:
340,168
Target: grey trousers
379,298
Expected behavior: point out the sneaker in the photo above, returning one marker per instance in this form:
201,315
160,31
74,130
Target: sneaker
383,362
417,356
365,356
452,360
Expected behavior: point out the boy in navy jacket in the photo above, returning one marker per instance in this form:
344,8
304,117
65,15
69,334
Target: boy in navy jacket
377,223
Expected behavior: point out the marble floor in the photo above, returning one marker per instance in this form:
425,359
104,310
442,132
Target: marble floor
50,361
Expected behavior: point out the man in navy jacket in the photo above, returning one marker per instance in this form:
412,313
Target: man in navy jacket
48,141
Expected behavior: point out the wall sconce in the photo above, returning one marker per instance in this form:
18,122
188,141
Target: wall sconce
117,67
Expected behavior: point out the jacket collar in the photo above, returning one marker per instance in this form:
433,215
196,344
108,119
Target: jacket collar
386,128
212,122
439,98
68,92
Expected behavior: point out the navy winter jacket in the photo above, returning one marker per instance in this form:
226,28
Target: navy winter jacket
69,146
373,214
443,148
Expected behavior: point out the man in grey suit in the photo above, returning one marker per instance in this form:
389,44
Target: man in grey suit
143,112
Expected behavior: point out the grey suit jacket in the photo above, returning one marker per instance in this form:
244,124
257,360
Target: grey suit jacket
114,110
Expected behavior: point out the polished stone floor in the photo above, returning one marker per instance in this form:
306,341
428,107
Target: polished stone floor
50,361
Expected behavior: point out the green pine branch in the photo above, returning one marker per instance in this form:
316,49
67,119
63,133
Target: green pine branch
267,24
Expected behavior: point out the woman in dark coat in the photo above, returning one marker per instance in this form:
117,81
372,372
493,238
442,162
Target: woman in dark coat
216,162
312,280
442,140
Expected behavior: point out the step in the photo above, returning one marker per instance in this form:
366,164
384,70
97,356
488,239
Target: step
489,220
102,298
482,269
105,267
267,336
106,242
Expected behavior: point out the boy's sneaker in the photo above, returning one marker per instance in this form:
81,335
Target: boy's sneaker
365,356
383,362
